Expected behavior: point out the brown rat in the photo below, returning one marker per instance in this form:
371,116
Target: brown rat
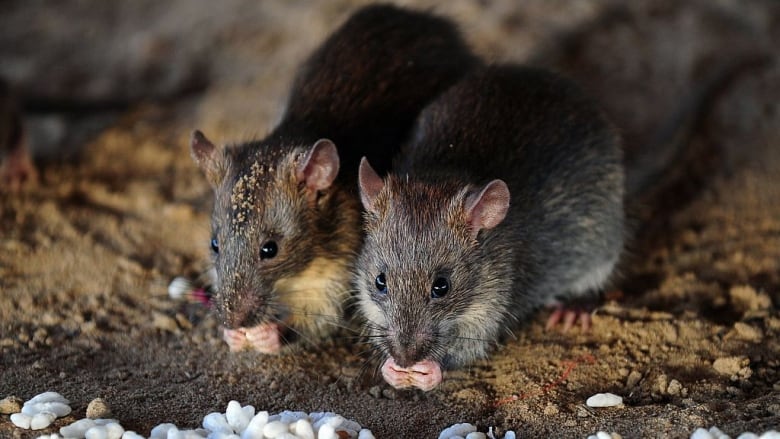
509,197
286,220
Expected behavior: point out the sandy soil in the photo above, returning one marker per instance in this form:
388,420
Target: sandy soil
87,254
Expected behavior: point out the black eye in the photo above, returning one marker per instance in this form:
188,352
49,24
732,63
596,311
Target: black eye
268,250
440,287
214,245
381,285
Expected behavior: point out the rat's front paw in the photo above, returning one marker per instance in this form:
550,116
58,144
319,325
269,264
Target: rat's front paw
263,338
425,375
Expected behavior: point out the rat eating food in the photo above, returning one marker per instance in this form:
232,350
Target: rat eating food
508,197
286,219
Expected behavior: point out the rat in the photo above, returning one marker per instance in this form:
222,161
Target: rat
508,197
287,218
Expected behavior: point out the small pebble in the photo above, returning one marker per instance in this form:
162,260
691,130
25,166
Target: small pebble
42,420
274,428
604,400
303,429
48,397
178,287
365,434
457,430
131,435
98,408
10,404
58,408
476,435
21,420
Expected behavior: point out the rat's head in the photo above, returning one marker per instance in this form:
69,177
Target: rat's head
420,274
265,211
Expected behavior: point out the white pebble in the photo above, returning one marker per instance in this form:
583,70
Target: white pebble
510,435
42,420
457,430
221,435
365,434
249,411
161,431
47,397
303,429
21,420
327,431
78,428
254,430
217,423
748,435
198,433
58,408
131,435
115,431
287,436
771,434
718,433
236,417
701,433
288,417
178,287
604,400
97,432
349,424
275,428
476,435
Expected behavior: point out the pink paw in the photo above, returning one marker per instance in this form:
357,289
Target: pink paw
264,338
569,317
424,375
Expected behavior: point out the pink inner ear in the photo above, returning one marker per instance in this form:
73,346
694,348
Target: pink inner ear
370,184
487,208
320,166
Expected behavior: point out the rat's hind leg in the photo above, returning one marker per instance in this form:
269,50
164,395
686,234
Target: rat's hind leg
569,312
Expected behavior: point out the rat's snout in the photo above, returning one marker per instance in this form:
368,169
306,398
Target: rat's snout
410,347
236,310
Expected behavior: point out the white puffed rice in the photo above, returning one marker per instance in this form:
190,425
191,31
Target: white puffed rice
604,400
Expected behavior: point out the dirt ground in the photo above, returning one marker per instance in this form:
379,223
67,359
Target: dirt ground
120,210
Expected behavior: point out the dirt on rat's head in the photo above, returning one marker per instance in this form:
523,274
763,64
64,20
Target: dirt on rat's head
420,272
271,224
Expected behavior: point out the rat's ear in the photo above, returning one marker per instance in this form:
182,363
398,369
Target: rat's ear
320,166
209,158
486,208
370,184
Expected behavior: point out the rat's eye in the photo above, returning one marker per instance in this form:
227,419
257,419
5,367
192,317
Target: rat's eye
268,250
440,287
214,246
380,284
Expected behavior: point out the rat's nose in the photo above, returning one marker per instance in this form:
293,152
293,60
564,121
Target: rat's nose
410,348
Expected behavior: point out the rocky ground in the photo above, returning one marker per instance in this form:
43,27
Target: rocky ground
690,340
